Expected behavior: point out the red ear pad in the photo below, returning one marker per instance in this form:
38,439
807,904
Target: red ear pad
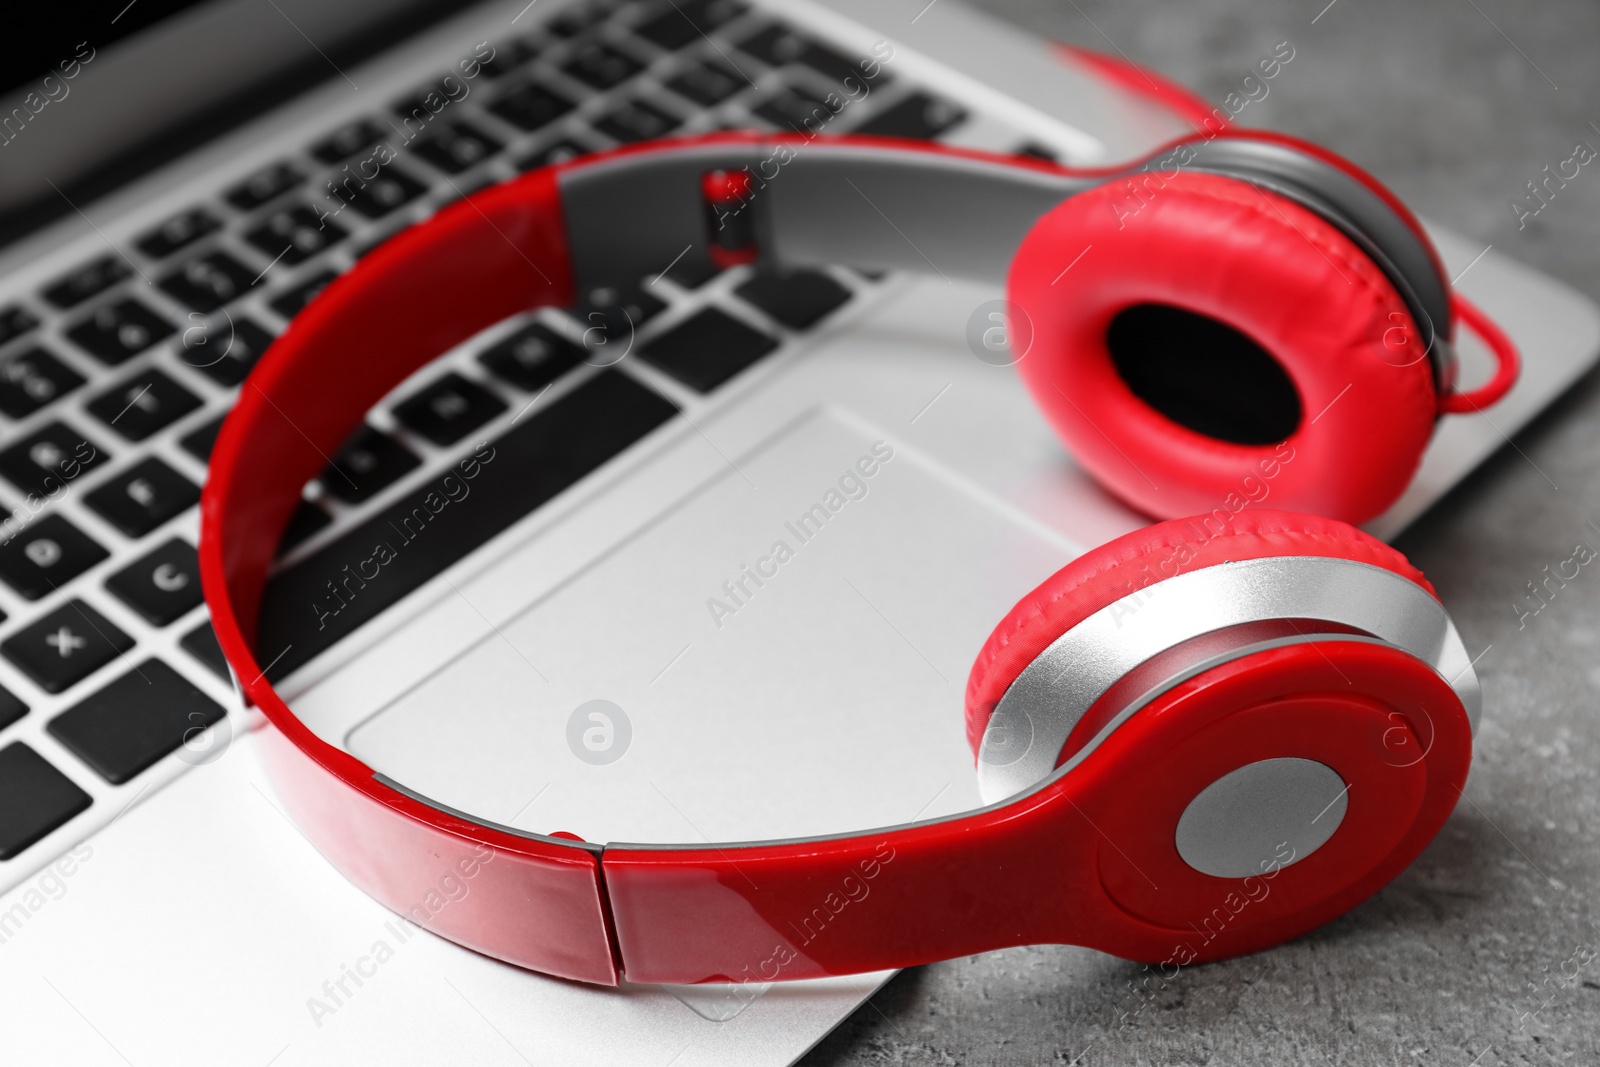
1271,270
1135,560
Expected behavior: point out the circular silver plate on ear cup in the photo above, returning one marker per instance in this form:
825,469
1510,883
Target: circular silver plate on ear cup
1261,817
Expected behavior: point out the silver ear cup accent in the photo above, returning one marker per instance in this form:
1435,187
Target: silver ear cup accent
1054,692
1261,817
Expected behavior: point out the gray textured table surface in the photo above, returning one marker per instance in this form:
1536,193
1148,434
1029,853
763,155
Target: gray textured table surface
1487,951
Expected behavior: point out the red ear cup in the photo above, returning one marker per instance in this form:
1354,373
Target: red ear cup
1352,751
1258,264
1135,561
1395,737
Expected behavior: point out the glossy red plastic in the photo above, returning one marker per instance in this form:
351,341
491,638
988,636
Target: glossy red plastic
1044,867
1138,80
537,904
1508,362
1090,859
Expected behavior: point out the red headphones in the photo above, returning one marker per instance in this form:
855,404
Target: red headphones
1201,739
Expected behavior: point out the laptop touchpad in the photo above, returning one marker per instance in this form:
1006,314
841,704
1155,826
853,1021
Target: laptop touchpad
781,654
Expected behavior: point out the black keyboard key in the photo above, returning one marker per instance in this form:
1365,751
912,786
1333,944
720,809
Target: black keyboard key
306,520
290,302
295,233
143,404
611,313
199,442
178,232
367,463
1034,150
30,380
11,708
461,190
93,277
143,497
392,188
559,152
163,586
530,105
120,331
449,409
532,358
45,555
706,350
125,727
456,146
201,643
691,272
507,57
417,109
601,66
35,798
687,21
577,18
708,83
796,298
918,115
66,646
14,322
782,47
347,140
225,354
207,282
637,120
51,456
796,109
265,184
547,452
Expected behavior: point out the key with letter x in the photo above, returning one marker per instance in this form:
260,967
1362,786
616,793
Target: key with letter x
66,646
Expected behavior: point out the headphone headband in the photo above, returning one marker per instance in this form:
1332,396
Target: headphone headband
1020,872
889,204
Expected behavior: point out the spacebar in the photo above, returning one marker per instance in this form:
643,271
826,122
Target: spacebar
309,607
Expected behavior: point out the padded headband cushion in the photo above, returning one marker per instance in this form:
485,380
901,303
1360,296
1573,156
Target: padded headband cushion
1120,567
1270,269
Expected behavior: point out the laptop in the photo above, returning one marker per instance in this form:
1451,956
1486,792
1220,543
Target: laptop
593,655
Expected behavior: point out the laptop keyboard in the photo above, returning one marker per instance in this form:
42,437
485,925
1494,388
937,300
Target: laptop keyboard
115,376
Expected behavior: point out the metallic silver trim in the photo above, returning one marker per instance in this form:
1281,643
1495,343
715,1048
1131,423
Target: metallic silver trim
814,204
890,209
1237,826
1054,691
